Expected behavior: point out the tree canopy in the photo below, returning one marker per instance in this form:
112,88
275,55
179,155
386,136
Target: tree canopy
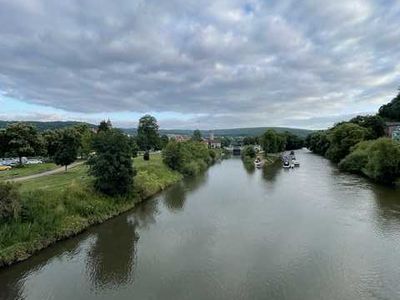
391,111
112,164
67,147
147,133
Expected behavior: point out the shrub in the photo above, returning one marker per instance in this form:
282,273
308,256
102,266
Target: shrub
10,204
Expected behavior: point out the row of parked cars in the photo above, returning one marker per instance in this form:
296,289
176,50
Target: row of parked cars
8,163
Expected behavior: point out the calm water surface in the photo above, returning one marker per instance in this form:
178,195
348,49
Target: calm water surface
307,233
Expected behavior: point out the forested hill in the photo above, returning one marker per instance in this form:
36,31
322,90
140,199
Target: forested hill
255,131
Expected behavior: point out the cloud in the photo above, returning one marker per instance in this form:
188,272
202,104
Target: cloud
242,63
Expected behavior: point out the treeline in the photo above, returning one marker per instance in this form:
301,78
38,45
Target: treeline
359,145
273,142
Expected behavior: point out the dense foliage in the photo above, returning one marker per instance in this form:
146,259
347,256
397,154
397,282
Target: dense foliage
147,133
196,136
391,111
378,159
249,152
112,164
9,201
342,138
67,147
189,158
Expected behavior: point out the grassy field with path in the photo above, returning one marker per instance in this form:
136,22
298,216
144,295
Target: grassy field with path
27,170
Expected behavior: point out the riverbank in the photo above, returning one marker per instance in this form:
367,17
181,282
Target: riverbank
62,205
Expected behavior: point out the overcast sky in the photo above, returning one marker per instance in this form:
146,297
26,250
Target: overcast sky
198,63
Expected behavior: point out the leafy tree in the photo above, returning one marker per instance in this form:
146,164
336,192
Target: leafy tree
112,165
164,141
86,141
249,140
147,133
104,126
197,136
272,142
23,140
3,143
391,111
225,141
383,160
173,155
375,124
318,142
248,151
292,141
342,138
67,147
10,204
356,161
133,146
51,139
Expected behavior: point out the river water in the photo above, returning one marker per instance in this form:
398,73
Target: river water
307,233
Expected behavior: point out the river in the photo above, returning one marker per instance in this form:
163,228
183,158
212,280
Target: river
307,233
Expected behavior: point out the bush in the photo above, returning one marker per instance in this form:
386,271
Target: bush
10,204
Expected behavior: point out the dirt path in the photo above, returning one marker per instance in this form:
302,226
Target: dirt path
58,170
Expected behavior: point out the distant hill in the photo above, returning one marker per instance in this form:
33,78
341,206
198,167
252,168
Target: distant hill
234,132
42,126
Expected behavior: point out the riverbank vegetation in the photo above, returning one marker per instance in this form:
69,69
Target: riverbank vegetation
189,158
44,210
359,145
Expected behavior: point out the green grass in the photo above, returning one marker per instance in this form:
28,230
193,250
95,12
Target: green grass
61,205
26,170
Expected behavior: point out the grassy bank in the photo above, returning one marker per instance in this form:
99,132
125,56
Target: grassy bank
61,205
26,170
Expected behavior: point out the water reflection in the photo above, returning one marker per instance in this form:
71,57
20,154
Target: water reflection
112,258
175,197
271,171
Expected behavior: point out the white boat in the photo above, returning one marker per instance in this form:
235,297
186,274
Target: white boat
258,163
296,163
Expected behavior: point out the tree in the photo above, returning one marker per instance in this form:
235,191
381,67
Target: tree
147,133
383,160
342,138
225,141
249,140
249,151
375,124
51,140
23,140
67,147
318,142
112,165
292,141
197,136
272,142
391,111
3,143
104,126
164,141
133,146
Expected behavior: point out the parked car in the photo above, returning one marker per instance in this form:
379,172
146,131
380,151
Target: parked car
34,162
5,168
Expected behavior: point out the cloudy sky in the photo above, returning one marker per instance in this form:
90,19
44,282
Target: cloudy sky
198,63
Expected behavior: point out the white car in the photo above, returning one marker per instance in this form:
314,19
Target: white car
34,162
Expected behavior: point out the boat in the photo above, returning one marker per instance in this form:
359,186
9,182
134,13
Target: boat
258,163
296,163
286,164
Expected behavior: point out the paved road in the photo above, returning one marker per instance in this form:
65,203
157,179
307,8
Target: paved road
58,170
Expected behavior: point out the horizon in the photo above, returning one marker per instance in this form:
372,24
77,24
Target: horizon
208,64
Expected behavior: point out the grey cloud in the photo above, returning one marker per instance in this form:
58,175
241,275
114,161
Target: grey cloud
239,62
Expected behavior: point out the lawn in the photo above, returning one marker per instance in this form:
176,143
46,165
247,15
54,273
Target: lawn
26,170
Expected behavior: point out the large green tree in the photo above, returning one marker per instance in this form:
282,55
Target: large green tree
196,136
23,140
112,165
375,124
147,133
67,147
342,138
391,111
